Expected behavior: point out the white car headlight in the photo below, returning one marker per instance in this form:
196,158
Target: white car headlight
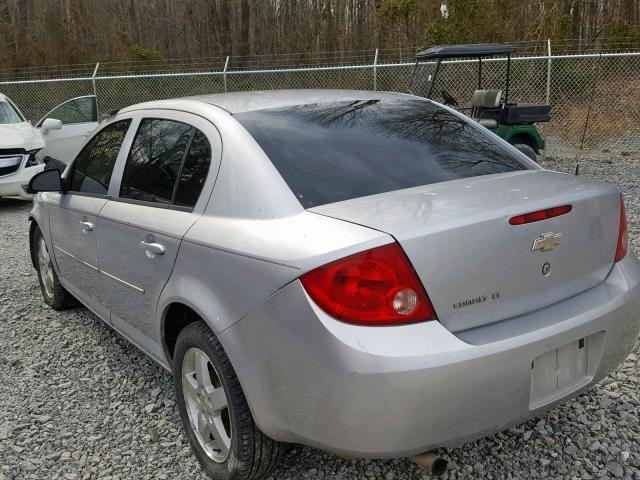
8,162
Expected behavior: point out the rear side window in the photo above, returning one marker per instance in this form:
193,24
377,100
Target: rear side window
168,164
194,171
337,151
93,167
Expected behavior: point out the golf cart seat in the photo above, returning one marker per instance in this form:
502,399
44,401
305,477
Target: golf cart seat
486,107
486,98
486,104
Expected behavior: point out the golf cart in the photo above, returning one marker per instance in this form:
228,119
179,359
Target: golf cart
513,122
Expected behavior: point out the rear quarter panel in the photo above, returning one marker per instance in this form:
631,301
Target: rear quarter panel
226,266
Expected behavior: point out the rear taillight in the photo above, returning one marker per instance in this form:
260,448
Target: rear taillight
623,235
375,287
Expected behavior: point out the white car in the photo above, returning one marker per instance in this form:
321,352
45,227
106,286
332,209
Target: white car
26,150
66,128
20,143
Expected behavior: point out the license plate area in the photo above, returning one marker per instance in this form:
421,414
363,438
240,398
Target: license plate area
559,372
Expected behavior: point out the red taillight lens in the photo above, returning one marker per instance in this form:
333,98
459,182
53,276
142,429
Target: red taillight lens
540,215
623,235
376,287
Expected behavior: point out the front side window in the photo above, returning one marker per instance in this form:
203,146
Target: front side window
93,167
168,164
329,152
8,114
78,110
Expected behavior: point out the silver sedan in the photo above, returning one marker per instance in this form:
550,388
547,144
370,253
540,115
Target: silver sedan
369,273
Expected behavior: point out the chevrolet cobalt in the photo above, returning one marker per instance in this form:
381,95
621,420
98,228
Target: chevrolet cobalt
372,274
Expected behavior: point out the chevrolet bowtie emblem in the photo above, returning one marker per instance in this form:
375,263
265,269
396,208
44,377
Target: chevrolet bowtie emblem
546,242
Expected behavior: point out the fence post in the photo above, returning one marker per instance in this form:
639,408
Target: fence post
592,97
375,72
95,90
224,73
548,97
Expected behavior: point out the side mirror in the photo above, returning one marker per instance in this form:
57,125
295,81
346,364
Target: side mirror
50,124
47,181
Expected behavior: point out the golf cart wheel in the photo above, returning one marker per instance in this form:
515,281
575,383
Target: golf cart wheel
527,150
214,412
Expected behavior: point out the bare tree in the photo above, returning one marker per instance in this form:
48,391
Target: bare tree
49,32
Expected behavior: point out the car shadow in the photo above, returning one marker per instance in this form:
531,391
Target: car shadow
13,204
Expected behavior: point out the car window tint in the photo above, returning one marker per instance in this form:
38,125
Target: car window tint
8,114
194,171
155,159
78,110
93,167
336,151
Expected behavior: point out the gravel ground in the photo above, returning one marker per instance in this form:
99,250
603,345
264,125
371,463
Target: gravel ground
78,402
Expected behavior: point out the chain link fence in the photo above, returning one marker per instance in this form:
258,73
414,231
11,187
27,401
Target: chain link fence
594,97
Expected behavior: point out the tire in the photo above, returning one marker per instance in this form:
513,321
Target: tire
527,150
250,454
53,292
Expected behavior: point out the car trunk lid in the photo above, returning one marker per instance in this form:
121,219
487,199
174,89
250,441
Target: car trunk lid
478,268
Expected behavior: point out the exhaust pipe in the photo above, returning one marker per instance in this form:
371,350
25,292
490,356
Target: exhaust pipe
433,463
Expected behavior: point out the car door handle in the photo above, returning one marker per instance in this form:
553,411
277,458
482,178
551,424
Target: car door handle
86,226
152,249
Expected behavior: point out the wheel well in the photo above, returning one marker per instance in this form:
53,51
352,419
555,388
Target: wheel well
177,316
32,228
526,139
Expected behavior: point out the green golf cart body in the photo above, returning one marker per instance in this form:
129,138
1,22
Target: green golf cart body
514,122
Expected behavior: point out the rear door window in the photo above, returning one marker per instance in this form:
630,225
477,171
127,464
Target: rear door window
167,165
331,152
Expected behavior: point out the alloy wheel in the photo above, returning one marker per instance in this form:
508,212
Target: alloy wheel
46,268
206,403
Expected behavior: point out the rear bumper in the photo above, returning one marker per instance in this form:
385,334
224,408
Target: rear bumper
15,184
397,391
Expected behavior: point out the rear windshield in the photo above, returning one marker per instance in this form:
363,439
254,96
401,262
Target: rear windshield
331,152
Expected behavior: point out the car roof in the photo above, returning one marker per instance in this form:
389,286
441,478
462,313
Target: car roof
239,102
470,50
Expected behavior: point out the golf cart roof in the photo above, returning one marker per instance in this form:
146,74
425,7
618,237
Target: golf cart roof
472,50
